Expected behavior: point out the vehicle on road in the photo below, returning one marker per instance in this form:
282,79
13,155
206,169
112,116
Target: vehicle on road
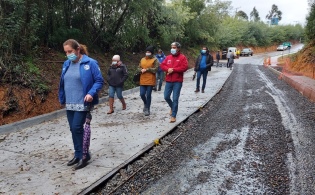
247,52
287,44
281,48
232,49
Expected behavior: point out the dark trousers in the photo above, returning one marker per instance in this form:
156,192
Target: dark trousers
204,74
76,121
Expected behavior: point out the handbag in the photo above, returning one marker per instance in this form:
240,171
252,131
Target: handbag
136,78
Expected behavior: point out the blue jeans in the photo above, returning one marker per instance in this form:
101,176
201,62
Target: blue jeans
118,91
175,88
159,76
204,74
145,94
76,121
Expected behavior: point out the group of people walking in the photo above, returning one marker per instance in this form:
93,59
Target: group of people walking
81,80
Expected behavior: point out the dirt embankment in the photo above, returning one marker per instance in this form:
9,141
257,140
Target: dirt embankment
18,103
304,62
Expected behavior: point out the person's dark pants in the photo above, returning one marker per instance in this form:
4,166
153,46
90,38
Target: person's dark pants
159,79
76,121
218,62
204,74
227,64
145,94
175,88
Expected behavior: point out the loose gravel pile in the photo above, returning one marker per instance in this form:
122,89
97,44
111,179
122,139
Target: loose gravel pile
254,137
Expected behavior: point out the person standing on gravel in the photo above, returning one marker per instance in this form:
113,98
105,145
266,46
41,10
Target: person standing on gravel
148,67
116,76
159,74
202,66
80,82
175,65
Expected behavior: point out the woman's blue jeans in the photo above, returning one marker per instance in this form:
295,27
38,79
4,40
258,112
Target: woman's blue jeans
175,89
145,94
76,121
117,90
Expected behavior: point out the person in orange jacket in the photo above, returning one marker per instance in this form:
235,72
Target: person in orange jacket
148,67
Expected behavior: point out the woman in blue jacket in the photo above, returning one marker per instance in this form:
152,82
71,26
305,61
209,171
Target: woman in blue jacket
80,81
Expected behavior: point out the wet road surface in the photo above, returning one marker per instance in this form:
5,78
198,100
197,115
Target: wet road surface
254,137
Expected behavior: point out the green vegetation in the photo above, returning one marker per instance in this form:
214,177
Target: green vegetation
310,26
124,26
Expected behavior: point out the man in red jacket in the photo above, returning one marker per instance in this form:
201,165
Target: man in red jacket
175,65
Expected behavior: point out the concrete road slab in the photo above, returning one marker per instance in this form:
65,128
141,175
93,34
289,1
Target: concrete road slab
33,160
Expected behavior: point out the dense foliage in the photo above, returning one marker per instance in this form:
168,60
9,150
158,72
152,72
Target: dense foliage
310,26
27,26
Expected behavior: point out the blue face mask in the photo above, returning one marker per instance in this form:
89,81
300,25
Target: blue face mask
203,51
72,57
173,51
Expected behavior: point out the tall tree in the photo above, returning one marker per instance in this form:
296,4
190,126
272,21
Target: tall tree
310,24
274,13
254,15
241,15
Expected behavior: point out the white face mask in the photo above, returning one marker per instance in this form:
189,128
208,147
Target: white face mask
114,62
148,54
173,51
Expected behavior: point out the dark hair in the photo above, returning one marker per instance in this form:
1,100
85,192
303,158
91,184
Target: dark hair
75,45
176,44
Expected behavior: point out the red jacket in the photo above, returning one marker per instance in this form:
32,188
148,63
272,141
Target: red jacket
179,64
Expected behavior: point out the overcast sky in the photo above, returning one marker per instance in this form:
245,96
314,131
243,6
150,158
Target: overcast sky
293,11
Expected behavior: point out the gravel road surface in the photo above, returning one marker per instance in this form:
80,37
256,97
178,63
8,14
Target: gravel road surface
254,137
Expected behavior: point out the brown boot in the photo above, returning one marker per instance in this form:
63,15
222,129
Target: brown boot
123,103
111,106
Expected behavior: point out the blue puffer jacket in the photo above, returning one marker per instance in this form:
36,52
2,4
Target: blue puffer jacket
161,58
91,78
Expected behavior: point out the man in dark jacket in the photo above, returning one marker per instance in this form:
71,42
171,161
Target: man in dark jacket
202,66
116,76
217,57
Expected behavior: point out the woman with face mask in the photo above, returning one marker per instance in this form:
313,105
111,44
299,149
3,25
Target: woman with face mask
80,81
148,67
116,76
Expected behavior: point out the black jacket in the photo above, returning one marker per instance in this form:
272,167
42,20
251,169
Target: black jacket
117,75
217,55
209,62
